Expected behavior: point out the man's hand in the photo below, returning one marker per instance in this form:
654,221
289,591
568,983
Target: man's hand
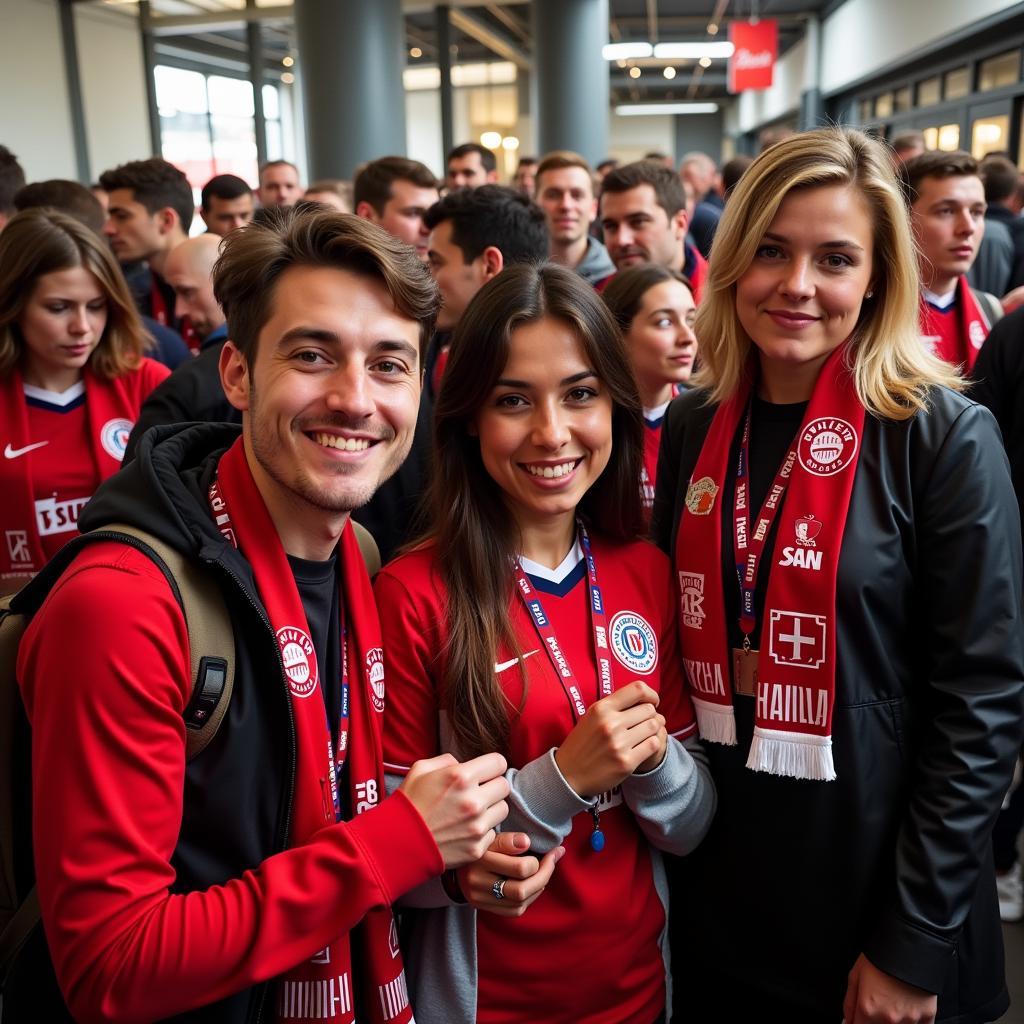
874,997
461,803
526,876
617,736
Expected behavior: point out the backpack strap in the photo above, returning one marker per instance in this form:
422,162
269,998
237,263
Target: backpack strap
990,306
211,641
367,548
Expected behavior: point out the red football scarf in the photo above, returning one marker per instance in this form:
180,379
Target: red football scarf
111,407
957,337
322,986
796,668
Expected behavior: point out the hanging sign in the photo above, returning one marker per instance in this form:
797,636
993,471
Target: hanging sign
756,48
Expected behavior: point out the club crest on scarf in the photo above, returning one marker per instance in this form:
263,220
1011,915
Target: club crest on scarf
375,676
691,599
827,446
299,660
700,496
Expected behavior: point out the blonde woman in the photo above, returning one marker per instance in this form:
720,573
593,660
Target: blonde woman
848,553
72,381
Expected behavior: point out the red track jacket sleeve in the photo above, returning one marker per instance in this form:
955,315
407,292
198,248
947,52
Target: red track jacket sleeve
104,674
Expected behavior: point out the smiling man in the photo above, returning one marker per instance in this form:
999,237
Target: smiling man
947,213
256,860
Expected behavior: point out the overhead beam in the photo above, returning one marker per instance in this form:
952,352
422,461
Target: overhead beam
472,26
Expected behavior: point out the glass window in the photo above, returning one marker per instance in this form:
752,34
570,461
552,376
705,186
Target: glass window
883,105
949,137
931,138
957,83
903,99
271,104
999,71
867,110
929,91
989,134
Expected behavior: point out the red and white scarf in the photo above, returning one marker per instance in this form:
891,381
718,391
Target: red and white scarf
956,336
795,692
324,982
111,407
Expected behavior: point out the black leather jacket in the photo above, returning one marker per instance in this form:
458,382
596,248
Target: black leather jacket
893,859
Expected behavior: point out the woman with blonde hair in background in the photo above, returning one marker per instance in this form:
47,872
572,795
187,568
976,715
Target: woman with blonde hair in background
847,548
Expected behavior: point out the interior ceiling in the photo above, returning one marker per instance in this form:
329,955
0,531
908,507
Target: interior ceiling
503,31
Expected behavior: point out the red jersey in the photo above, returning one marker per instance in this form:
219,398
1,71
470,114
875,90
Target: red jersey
653,419
615,940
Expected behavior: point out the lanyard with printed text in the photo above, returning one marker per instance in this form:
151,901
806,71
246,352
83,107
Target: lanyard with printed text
749,546
546,632
336,755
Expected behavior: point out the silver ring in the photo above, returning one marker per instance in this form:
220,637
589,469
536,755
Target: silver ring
499,888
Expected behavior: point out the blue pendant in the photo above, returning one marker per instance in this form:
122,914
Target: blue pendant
597,840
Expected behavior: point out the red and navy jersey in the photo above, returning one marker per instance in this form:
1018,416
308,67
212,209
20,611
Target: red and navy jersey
583,908
653,419
942,329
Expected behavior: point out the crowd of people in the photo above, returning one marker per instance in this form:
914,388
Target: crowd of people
623,574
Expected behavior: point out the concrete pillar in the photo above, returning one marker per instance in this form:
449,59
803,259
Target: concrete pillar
352,55
812,106
571,76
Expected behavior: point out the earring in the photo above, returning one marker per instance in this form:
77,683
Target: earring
869,295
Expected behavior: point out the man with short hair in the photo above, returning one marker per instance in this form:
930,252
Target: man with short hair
474,235
947,215
907,145
332,192
565,192
12,178
279,183
1002,182
702,174
643,217
227,203
470,166
525,178
150,212
189,271
268,862
395,193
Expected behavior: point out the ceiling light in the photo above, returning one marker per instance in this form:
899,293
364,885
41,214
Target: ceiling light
705,62
287,61
490,140
415,52
510,142
712,29
675,51
287,78
616,51
635,72
670,72
651,109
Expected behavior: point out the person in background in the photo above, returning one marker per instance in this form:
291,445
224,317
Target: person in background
470,166
101,196
858,684
279,183
332,192
534,621
164,344
227,203
12,178
150,212
643,216
565,192
947,215
395,193
1002,182
72,376
525,178
702,174
907,145
655,310
732,171
604,167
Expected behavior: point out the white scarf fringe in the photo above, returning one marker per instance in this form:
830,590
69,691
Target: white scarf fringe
716,724
790,753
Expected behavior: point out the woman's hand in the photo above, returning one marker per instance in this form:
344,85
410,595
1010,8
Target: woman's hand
618,735
874,997
525,877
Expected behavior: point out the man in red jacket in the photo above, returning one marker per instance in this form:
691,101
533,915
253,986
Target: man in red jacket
254,880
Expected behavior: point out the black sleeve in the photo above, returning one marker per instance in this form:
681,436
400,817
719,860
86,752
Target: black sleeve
967,703
994,380
666,482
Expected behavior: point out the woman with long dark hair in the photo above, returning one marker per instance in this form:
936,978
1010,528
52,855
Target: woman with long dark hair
655,310
72,381
847,548
533,621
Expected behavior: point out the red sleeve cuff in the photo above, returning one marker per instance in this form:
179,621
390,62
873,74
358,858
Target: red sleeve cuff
398,845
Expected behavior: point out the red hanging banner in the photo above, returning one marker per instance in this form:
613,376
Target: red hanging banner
756,48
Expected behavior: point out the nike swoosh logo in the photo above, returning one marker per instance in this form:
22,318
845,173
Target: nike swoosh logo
13,453
501,666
